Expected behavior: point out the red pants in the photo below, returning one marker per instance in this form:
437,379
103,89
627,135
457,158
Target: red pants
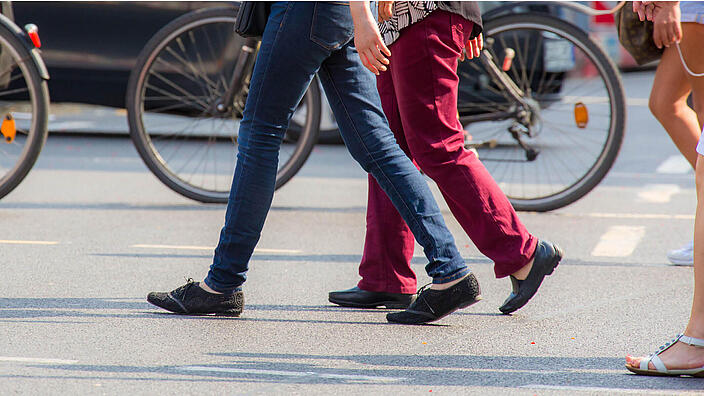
419,96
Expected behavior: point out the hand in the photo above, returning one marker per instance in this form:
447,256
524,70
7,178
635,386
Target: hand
367,39
385,9
644,9
666,21
473,48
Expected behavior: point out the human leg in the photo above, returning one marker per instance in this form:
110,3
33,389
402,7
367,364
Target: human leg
426,82
355,102
275,90
682,355
668,103
389,243
352,93
385,268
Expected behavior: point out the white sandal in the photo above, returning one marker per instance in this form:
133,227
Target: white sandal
660,368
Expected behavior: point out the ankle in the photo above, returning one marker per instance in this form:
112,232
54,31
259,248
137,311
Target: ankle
207,288
523,272
444,286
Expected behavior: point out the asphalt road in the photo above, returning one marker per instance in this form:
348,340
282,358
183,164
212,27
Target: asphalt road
90,232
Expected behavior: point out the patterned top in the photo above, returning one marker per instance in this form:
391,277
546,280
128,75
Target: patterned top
404,14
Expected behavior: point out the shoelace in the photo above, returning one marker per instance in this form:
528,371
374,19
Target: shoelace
419,293
181,291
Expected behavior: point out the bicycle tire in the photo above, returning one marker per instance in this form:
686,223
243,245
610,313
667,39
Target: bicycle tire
38,91
188,24
612,82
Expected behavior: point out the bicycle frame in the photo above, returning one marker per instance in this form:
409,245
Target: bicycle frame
243,68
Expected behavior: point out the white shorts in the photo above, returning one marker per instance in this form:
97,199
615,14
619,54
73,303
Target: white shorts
700,145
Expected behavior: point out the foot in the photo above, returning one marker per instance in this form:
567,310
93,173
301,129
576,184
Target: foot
431,305
683,255
680,356
358,298
191,299
547,257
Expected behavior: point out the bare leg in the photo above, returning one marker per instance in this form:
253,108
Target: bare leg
683,356
668,103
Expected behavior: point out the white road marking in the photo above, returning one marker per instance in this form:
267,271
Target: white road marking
63,125
211,248
658,193
9,242
291,373
639,216
36,360
595,389
619,241
675,164
603,100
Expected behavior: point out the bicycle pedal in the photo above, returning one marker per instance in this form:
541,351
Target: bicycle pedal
8,129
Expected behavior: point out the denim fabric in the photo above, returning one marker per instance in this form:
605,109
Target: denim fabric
300,39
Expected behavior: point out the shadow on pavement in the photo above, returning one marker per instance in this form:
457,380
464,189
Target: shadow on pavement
527,372
108,206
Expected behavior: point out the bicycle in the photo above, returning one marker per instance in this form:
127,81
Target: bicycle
185,98
516,111
24,101
548,129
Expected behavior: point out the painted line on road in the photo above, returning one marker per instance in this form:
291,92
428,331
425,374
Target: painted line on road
637,216
619,241
9,242
211,248
674,164
36,360
658,193
290,373
593,389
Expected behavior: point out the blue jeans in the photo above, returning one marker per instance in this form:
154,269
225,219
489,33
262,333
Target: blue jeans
300,39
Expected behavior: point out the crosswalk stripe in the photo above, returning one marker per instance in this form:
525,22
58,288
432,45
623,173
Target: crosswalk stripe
211,248
619,241
674,164
10,242
658,193
15,359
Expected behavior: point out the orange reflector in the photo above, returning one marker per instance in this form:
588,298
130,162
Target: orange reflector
8,128
581,115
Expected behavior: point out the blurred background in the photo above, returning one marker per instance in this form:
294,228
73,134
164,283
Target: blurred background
91,47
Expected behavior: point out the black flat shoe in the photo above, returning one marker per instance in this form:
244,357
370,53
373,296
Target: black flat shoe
547,257
191,299
358,298
431,305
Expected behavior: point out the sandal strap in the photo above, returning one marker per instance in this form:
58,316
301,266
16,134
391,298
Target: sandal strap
659,365
692,341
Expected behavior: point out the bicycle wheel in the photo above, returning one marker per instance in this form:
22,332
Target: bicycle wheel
559,150
24,108
179,76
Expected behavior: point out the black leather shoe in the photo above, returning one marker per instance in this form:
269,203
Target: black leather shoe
431,305
547,257
191,299
358,298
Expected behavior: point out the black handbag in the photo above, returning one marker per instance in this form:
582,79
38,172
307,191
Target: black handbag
636,36
252,17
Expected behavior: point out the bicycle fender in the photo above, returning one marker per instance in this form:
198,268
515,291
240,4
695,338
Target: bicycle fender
41,67
34,52
508,8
